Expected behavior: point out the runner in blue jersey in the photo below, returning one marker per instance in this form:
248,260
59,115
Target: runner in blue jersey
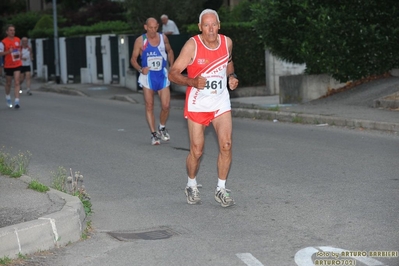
155,52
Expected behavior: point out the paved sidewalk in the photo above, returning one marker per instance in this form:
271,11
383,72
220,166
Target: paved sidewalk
43,217
353,108
32,221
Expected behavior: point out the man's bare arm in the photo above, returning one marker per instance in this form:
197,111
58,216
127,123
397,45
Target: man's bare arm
136,52
169,51
230,65
232,80
185,58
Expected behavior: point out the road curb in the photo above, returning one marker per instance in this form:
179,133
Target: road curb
314,119
388,102
252,111
124,98
62,91
53,230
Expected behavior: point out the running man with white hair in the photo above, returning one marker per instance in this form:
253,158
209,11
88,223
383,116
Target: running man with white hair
208,59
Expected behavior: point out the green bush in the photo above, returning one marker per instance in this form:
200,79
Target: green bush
240,13
106,27
45,22
346,39
41,33
115,27
23,22
248,51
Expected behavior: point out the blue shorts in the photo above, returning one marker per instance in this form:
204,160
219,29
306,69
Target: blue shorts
1,61
155,80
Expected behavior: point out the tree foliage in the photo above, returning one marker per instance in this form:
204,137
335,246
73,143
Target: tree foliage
24,22
182,12
94,13
346,39
45,22
240,13
9,9
75,5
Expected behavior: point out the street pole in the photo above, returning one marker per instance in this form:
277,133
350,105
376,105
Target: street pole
56,47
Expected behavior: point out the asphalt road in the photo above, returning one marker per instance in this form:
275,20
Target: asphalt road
299,189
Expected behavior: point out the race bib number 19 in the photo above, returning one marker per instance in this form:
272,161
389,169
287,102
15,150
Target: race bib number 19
155,63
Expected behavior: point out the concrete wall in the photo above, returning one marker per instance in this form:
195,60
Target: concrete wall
304,88
395,72
89,74
128,77
106,52
275,68
63,60
39,59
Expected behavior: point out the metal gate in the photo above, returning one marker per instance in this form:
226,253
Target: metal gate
33,46
131,40
49,57
76,57
114,59
99,59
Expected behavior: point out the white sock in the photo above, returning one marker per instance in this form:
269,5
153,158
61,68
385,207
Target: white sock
16,101
8,97
161,126
221,184
191,182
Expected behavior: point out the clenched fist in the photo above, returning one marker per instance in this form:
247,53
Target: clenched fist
199,82
233,82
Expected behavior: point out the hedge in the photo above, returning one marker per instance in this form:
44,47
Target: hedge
349,40
106,27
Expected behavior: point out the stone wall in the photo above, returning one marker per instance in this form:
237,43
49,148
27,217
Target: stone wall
304,88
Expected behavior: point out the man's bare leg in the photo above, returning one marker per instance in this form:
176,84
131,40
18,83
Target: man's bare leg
223,128
164,95
7,86
196,135
17,86
197,140
149,108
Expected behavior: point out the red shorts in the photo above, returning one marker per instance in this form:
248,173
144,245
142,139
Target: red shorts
203,118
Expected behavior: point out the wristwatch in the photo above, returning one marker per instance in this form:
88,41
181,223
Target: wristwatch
232,74
140,70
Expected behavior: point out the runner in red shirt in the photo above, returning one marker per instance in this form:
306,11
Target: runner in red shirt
210,69
12,64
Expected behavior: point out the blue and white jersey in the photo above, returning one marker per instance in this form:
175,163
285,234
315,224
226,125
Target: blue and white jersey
154,57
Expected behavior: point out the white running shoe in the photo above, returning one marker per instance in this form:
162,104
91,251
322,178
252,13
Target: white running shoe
154,139
223,197
192,194
163,134
9,103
